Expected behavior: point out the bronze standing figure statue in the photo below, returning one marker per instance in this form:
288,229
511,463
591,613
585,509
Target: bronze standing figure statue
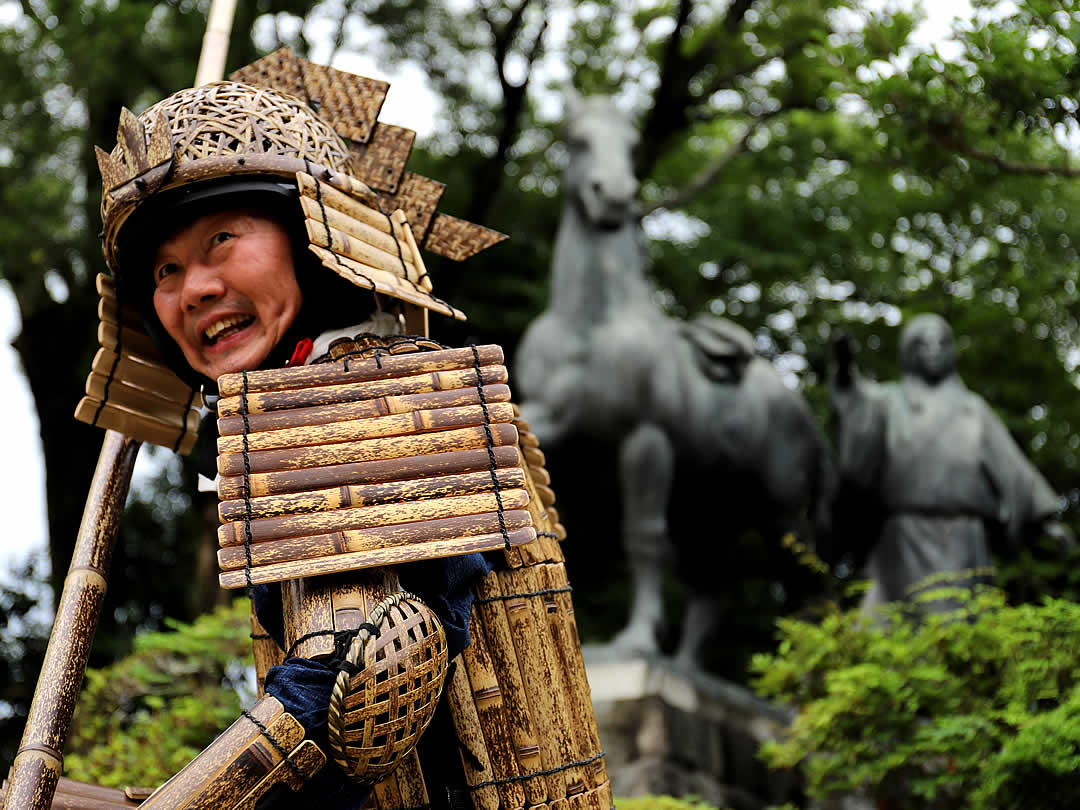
381,499
940,465
604,359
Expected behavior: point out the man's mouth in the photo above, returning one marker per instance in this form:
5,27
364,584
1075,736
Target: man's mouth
225,327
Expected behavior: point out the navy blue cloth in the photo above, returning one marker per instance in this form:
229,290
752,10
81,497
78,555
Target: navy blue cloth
304,686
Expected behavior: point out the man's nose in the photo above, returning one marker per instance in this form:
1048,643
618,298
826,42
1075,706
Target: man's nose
202,283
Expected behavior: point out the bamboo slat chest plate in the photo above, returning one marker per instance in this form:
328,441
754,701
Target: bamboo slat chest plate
362,463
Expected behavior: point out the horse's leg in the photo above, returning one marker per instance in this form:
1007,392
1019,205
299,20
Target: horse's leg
646,470
702,617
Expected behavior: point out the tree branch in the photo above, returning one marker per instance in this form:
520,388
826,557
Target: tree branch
1013,167
707,176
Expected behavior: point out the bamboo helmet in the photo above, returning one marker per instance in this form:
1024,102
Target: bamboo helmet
306,140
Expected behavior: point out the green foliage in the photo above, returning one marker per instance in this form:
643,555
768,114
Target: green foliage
977,709
144,717
662,803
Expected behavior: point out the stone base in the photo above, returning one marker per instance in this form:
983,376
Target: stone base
674,732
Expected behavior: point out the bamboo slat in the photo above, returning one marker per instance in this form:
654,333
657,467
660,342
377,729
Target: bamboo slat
402,224
363,409
372,278
376,557
380,537
367,517
265,652
152,404
487,694
385,368
555,577
365,472
132,423
419,197
370,494
307,607
500,647
471,736
261,402
397,263
308,759
143,372
110,336
400,424
533,643
422,444
214,759
361,229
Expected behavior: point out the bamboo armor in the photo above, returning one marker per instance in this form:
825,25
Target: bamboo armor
518,699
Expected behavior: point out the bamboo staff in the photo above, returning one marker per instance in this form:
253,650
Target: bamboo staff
40,758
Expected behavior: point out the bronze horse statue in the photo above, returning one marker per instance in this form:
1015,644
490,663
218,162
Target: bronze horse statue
603,360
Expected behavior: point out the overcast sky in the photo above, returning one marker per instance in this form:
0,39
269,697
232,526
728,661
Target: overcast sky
22,478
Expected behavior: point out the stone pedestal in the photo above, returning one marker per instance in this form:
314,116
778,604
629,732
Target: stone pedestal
668,731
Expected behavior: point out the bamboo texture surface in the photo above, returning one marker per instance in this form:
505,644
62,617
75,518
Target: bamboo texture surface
39,760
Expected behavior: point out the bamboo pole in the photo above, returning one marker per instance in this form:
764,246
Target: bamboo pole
215,42
40,758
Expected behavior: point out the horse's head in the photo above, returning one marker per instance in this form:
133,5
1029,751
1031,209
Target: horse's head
600,176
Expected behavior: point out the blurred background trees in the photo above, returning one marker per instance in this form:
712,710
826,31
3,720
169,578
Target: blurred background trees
805,166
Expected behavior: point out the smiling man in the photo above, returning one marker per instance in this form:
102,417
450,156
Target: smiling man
236,227
225,290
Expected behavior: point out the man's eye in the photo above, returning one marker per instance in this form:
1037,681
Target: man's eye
164,271
220,237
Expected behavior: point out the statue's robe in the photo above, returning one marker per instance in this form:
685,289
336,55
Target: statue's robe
945,473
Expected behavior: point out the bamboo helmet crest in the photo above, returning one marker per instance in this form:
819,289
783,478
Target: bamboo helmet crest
306,137
202,134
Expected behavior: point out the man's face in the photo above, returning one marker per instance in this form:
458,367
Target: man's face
225,290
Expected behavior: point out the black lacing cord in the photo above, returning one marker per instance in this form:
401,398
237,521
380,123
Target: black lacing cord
247,484
534,774
490,446
504,597
277,746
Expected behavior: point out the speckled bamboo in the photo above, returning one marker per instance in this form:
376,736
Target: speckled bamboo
380,537
401,424
568,645
471,736
313,606
366,517
380,406
385,368
308,759
73,795
500,647
528,627
370,494
39,760
421,444
366,472
358,240
558,609
358,391
396,555
487,694
265,651
197,784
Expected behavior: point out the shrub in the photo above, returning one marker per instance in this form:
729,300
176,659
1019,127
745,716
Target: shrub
976,709
144,717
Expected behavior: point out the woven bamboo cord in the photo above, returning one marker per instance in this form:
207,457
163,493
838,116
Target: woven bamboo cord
396,708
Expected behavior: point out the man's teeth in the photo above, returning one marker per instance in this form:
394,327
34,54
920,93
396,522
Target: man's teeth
232,323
